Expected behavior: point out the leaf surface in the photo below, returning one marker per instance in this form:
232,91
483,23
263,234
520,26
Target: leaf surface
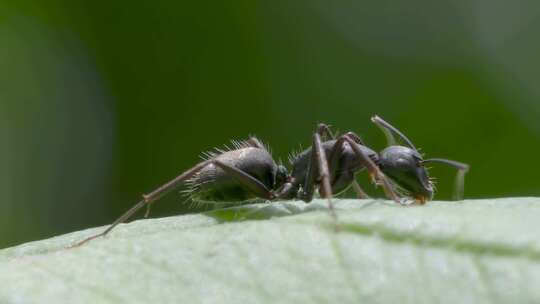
475,251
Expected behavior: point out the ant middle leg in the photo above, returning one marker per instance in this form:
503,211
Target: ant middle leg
318,174
333,163
324,130
317,171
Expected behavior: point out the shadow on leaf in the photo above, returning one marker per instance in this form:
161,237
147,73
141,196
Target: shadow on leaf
262,211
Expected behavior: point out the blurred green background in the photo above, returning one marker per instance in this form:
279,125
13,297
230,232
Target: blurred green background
101,101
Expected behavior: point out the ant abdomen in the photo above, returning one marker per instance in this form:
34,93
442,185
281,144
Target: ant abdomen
213,184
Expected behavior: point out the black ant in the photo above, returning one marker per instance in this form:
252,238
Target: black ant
249,171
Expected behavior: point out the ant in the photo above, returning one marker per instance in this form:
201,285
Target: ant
249,171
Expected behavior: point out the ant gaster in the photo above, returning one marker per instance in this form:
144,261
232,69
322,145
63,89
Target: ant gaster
249,171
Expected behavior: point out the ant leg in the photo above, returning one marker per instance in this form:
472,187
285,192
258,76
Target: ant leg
243,178
389,132
460,176
374,171
251,183
324,129
288,191
147,213
253,142
360,193
317,165
149,198
318,171
333,164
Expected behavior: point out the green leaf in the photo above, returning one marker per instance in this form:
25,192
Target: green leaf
476,251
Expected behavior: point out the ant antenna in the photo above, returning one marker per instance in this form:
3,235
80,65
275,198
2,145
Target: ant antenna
460,176
388,129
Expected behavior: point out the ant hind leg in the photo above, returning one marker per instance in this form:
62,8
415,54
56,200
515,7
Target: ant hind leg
242,177
148,199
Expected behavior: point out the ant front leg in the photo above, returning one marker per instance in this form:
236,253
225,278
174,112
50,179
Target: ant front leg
374,171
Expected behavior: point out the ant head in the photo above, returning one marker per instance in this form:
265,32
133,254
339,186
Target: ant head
282,176
404,166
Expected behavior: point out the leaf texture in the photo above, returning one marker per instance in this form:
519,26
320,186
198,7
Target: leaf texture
474,251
